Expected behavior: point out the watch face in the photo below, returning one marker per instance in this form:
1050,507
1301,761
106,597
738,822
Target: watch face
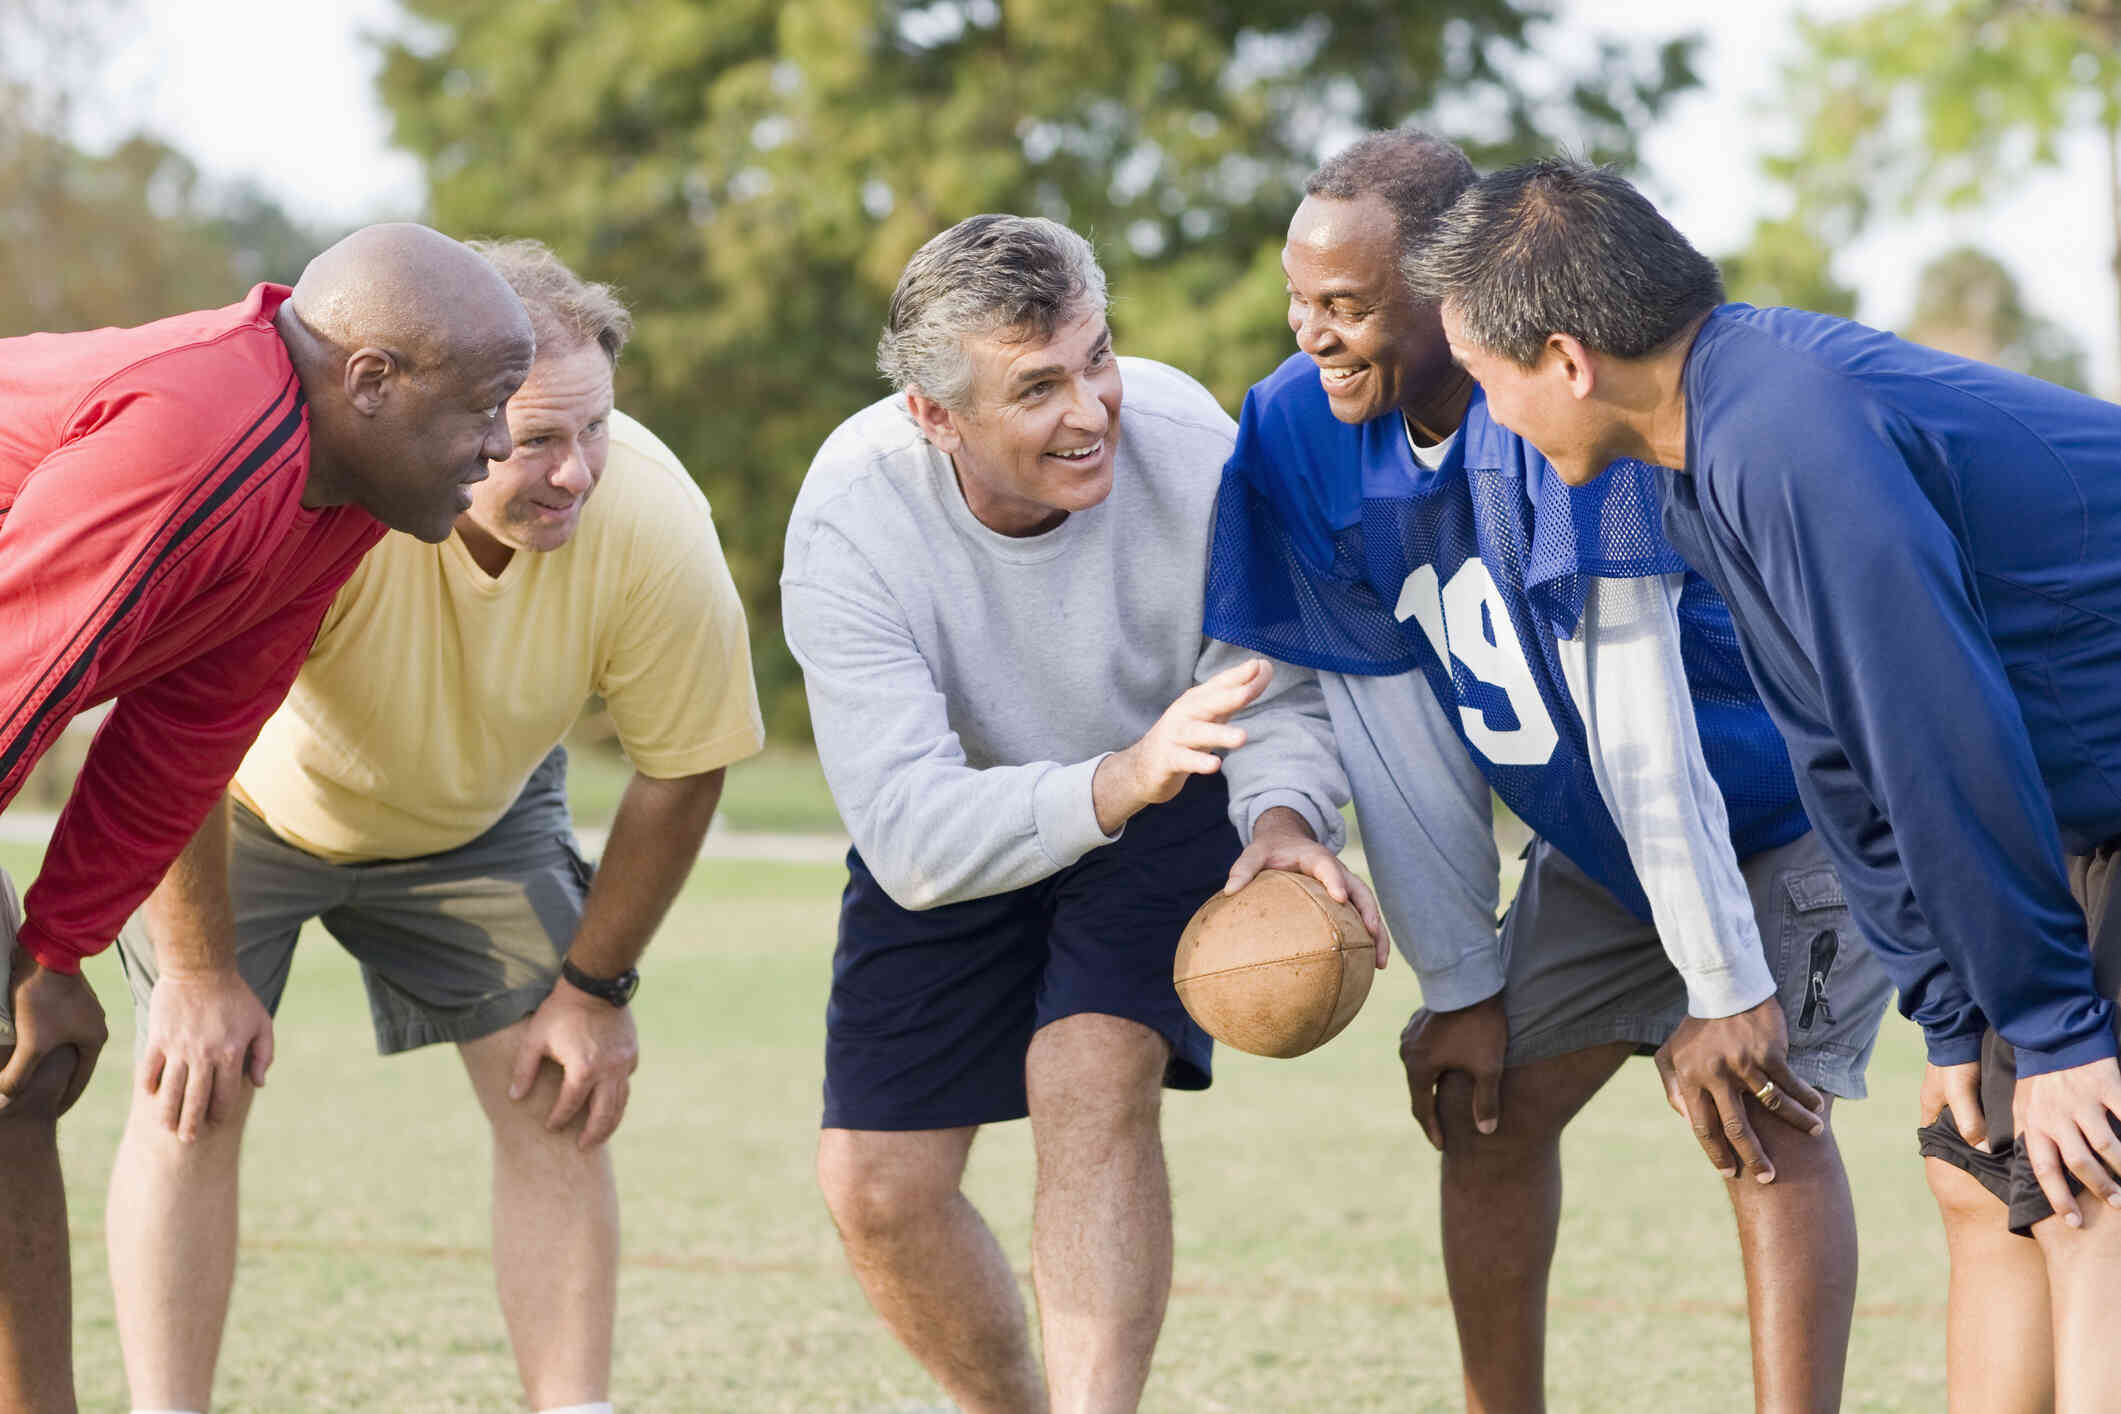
624,986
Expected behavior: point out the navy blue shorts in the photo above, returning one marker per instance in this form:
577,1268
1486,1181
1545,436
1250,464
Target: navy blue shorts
932,1012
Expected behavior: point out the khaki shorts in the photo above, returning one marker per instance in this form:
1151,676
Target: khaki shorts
452,946
1580,970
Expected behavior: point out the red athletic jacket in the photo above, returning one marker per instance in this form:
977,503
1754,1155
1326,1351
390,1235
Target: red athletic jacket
153,548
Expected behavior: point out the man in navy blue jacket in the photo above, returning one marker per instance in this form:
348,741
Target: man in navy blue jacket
1922,556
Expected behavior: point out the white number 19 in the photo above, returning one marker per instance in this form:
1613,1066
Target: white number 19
1452,620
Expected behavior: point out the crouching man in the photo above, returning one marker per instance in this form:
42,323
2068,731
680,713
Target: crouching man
411,795
993,583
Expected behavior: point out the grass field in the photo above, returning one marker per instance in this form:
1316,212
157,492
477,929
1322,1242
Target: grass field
780,790
1308,1276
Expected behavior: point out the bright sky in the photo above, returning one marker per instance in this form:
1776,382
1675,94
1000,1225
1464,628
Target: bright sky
281,90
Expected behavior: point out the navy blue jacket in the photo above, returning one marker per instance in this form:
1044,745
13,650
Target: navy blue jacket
1922,556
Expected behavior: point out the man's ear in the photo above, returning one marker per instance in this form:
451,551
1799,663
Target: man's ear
937,423
368,378
1574,363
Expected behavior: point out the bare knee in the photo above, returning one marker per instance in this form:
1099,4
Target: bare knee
879,1186
1096,1074
1526,1140
38,1104
1962,1202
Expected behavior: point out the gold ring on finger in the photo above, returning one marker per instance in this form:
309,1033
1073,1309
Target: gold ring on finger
1768,1095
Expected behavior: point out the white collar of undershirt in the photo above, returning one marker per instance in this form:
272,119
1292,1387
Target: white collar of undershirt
1430,457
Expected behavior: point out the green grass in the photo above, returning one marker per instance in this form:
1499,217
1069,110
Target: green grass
1308,1274
780,790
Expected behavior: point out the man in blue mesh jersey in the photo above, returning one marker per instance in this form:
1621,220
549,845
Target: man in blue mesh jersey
1374,521
1921,558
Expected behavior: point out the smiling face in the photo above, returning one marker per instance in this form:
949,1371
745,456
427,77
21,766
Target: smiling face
1547,404
1036,439
1376,348
560,424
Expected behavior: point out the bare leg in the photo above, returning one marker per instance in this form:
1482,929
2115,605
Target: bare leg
36,1273
929,1264
1501,1214
1101,1226
2084,1285
555,1232
1798,1238
1999,1350
171,1234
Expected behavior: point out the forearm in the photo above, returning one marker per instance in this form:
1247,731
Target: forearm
189,914
1289,759
1428,833
1628,680
655,838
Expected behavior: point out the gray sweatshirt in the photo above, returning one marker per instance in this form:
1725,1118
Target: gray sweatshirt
964,684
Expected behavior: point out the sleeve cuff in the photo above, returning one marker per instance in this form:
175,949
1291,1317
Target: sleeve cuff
1326,825
1730,990
1952,1050
1065,812
2096,1047
32,940
1473,978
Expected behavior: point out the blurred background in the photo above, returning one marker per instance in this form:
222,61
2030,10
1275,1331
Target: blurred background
754,173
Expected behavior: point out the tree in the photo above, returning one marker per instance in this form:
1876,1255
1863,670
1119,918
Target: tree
1944,102
756,173
120,237
1967,303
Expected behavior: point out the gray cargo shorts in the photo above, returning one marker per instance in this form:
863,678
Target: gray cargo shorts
452,946
1580,970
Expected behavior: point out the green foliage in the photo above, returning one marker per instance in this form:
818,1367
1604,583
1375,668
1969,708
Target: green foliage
121,237
1968,303
1927,103
756,172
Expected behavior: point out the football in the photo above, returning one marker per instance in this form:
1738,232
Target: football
1277,968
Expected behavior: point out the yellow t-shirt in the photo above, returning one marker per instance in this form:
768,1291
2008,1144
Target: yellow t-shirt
434,689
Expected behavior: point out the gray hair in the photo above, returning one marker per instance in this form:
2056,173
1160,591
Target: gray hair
1416,173
566,311
1020,274
1558,246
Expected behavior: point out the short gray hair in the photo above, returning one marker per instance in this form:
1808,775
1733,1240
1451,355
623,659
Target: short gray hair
1021,274
1558,246
566,311
1416,173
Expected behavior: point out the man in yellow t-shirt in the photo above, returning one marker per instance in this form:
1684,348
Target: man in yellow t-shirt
410,794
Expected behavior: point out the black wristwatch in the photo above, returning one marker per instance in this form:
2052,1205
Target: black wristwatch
617,990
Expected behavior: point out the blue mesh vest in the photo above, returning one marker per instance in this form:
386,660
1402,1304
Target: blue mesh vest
1335,549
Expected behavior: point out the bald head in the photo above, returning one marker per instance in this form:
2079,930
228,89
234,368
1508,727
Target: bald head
408,346
409,289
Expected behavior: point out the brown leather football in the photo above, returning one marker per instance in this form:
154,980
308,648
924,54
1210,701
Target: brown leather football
1277,968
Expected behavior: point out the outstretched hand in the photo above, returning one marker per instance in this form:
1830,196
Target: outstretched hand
1181,745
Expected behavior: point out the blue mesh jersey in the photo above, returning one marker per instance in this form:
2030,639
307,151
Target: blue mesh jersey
1335,549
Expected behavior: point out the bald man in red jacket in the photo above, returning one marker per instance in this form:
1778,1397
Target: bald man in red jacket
179,503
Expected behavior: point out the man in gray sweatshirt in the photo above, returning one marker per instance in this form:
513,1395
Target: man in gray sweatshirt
993,583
